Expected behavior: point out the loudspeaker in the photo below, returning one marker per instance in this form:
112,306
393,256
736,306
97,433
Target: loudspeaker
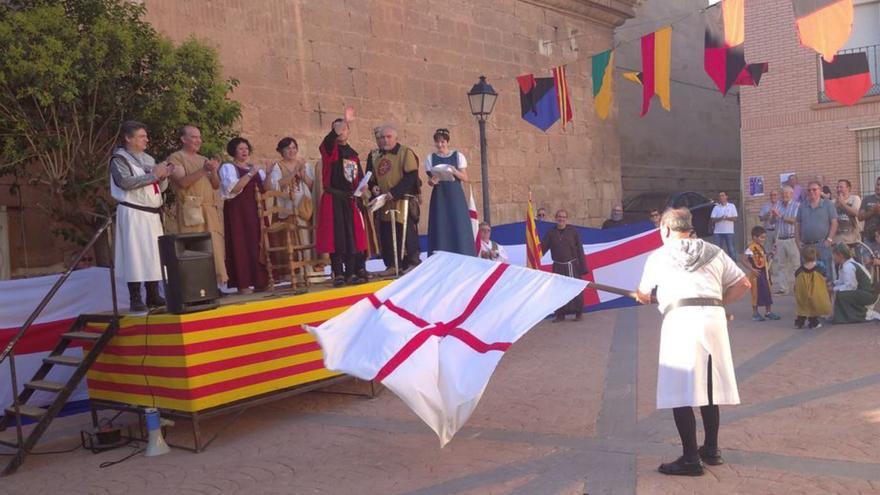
156,444
188,271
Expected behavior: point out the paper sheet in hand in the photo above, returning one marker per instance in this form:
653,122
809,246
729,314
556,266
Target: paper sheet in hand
378,202
443,172
435,336
363,184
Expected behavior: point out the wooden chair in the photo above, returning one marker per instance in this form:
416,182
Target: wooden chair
270,223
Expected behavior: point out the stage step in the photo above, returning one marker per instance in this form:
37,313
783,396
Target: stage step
98,318
63,360
45,385
81,336
32,412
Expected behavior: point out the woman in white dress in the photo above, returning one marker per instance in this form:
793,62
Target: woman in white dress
294,175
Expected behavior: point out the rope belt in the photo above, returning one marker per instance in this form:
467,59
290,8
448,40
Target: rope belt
693,301
569,264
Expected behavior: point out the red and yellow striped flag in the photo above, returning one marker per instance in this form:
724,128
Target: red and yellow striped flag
533,243
562,98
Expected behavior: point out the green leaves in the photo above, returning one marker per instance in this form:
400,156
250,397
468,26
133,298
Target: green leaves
72,70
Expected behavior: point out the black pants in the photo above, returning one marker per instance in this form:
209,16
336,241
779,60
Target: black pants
686,424
409,256
347,265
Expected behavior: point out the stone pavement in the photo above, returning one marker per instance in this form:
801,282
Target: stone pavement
570,410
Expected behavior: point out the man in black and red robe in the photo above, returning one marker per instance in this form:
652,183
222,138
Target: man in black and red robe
341,226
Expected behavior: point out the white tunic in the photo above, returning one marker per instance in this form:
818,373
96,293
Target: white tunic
691,334
137,232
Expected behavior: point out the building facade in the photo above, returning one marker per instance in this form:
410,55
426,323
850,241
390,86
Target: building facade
788,125
411,63
694,147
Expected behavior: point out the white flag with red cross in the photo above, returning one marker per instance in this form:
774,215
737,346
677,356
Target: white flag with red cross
435,336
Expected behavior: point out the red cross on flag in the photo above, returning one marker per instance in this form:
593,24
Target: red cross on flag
435,336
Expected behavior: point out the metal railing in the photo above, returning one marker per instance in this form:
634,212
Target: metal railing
873,53
9,351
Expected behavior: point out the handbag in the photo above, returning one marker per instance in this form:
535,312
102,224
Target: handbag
192,211
305,209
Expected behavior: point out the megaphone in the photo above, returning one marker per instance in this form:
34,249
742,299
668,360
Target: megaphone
155,441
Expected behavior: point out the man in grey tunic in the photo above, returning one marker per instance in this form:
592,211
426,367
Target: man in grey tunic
136,183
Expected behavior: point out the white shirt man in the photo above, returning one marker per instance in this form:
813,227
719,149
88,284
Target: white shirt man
786,253
694,280
724,215
849,228
770,217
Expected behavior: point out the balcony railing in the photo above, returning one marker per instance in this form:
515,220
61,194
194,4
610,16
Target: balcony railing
873,52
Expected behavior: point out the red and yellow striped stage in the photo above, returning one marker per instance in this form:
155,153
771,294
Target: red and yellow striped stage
198,361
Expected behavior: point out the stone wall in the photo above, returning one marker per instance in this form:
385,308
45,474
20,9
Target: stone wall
694,147
411,62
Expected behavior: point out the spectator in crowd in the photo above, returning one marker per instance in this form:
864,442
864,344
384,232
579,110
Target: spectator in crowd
136,183
817,225
853,289
724,215
341,231
869,212
490,249
810,292
826,189
195,183
655,217
797,193
847,205
239,181
786,254
770,216
616,219
449,223
755,259
541,215
567,251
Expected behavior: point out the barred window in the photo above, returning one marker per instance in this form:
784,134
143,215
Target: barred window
869,158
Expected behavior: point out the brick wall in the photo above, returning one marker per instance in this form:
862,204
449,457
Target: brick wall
784,128
412,62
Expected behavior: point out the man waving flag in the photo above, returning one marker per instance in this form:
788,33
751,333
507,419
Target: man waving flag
435,336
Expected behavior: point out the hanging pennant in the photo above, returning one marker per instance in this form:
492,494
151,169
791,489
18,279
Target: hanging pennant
723,61
655,74
562,99
847,78
603,69
545,100
823,25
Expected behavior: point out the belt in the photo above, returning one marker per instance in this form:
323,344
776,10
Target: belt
693,301
770,230
780,238
141,208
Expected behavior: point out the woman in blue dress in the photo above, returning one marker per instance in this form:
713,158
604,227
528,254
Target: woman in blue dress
449,224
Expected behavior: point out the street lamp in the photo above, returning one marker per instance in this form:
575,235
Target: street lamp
482,101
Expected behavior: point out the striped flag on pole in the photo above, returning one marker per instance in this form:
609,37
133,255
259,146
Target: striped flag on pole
475,221
562,98
533,243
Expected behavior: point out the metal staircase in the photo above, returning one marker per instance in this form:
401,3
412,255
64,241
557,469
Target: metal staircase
94,343
43,417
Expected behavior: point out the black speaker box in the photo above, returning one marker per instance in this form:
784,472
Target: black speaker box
188,271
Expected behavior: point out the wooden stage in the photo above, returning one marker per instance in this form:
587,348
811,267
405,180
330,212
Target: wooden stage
251,348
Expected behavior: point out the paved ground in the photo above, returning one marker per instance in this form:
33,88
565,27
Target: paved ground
569,411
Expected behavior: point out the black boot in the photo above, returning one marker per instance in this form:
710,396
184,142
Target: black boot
153,298
682,467
135,303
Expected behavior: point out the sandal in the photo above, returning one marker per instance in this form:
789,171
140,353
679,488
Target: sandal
338,282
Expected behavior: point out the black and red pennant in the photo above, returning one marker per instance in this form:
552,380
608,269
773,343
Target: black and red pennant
847,78
724,61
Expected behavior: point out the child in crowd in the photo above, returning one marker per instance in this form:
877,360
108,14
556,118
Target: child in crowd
756,260
810,291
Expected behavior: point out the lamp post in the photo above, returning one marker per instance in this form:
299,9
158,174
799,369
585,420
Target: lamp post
482,101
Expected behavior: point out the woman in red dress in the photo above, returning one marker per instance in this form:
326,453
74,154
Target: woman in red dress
239,181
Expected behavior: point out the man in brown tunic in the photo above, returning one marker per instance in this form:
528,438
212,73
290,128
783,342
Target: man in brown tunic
195,183
567,251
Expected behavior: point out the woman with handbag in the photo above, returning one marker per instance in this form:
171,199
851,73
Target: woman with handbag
295,176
